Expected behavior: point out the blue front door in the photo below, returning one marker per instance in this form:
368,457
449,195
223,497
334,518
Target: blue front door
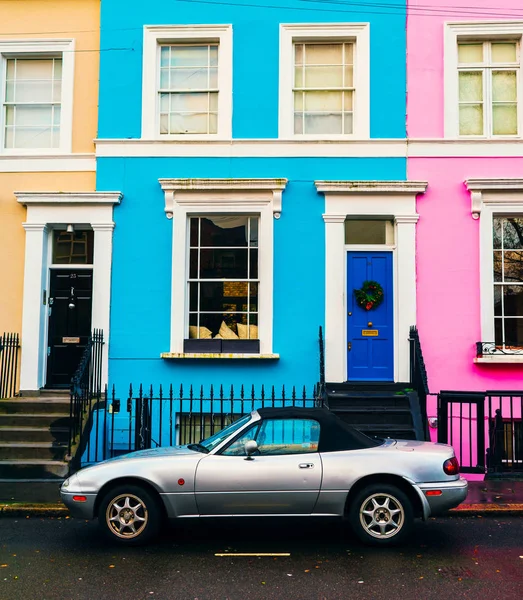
370,354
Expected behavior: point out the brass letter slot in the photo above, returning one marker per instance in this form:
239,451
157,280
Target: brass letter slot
70,340
369,332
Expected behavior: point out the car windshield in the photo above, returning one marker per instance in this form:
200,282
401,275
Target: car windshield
211,442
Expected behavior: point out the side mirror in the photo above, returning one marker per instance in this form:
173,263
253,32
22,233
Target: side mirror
250,448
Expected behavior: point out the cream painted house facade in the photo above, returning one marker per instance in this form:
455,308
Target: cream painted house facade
52,223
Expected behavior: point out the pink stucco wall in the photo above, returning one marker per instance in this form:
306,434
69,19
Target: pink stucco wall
425,27
448,275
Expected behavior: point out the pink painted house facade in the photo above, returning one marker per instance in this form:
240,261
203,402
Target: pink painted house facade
465,128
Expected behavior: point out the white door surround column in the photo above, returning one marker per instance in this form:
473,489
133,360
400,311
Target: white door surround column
46,210
384,199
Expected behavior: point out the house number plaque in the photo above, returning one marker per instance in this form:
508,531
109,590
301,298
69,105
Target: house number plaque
369,332
70,340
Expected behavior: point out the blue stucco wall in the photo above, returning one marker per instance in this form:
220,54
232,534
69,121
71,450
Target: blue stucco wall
142,264
255,58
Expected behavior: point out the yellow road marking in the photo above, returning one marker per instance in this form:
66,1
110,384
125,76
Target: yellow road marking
252,554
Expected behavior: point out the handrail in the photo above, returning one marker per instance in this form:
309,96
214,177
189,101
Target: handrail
418,375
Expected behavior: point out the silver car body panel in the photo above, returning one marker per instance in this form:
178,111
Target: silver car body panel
192,483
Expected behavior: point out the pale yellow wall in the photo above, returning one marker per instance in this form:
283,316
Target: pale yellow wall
12,234
78,19
57,19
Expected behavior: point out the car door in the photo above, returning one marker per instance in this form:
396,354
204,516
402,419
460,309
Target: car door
284,477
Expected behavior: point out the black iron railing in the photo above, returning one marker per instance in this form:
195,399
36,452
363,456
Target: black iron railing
150,417
491,349
485,429
418,376
321,386
9,353
87,394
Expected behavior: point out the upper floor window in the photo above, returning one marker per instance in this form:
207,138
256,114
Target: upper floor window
32,102
488,75
187,82
323,88
37,93
324,81
189,89
483,86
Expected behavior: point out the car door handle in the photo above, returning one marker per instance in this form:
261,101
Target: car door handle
306,465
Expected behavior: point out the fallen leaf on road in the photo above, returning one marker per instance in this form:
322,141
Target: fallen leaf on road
3,566
289,574
307,570
111,566
361,581
421,577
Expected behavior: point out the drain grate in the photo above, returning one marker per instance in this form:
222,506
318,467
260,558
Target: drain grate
462,572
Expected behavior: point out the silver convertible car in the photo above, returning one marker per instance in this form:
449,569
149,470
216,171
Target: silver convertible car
273,462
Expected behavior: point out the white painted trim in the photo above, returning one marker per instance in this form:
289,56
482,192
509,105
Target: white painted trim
271,148
499,359
154,35
65,163
491,197
44,211
383,198
359,33
217,356
63,47
481,31
210,196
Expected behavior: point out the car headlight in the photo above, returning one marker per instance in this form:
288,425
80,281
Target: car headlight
66,483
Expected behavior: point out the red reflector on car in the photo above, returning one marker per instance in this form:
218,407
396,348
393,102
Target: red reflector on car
79,499
433,493
451,466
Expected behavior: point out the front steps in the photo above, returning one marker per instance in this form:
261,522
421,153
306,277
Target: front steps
34,433
385,410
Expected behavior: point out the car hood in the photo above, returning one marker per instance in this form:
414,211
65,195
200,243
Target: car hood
155,452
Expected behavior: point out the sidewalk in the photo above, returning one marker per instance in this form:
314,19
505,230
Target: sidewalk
27,498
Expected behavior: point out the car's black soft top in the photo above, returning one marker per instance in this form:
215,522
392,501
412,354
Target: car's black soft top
335,434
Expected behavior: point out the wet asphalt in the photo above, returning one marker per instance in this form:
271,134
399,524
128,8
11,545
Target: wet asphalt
447,558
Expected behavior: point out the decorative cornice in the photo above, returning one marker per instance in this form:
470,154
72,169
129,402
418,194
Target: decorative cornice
102,226
92,198
35,226
371,187
172,187
405,219
508,192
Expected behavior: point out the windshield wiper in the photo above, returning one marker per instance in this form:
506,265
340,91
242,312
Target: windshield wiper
198,448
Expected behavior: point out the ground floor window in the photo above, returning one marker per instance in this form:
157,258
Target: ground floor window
508,281
223,280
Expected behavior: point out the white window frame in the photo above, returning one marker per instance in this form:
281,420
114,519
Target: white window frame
356,33
197,197
492,198
153,38
480,32
52,48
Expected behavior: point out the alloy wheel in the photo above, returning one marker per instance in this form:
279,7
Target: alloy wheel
126,516
382,515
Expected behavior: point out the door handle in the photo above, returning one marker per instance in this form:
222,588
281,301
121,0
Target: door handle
306,465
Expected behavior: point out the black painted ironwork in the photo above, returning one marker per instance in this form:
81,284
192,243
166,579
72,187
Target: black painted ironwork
491,349
320,390
87,398
485,429
152,417
418,376
9,355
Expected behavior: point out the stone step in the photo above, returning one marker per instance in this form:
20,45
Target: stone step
35,405
30,491
34,420
32,451
33,469
34,434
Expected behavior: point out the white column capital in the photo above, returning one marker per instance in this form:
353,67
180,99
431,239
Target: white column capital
102,226
401,219
41,227
334,218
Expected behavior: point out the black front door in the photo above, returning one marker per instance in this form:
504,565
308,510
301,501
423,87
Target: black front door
70,303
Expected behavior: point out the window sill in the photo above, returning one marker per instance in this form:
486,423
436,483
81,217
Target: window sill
499,359
216,355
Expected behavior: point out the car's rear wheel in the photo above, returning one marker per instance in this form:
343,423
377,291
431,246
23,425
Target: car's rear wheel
381,515
129,515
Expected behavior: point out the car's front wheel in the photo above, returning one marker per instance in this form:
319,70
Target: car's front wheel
129,515
381,515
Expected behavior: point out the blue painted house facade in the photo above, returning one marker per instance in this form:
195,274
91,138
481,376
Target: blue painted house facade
260,153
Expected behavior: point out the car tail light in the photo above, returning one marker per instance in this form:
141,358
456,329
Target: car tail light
451,466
